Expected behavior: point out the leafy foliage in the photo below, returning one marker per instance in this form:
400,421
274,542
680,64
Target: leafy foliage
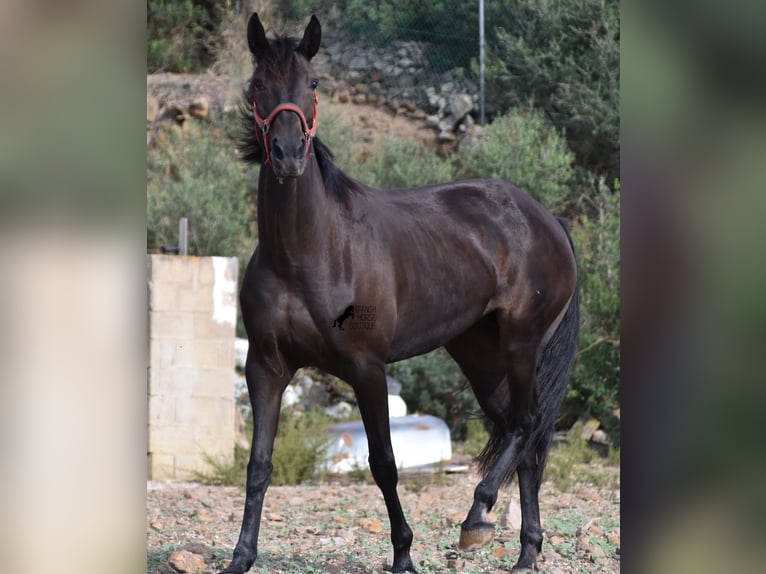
195,174
300,448
433,384
180,34
523,148
299,454
563,58
401,163
594,389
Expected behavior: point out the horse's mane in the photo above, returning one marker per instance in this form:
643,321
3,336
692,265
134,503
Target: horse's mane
336,182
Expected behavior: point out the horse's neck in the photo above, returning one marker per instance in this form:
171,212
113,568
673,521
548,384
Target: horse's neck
295,217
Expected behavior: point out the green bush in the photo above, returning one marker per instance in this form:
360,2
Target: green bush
195,174
523,148
595,387
562,58
300,448
299,454
398,163
181,34
433,384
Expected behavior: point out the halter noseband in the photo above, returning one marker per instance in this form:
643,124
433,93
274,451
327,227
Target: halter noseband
262,126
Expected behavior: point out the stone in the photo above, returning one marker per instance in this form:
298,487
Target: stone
199,108
341,96
204,515
156,525
600,437
446,136
511,516
341,410
358,62
373,526
447,123
360,98
589,428
152,109
184,561
201,549
458,105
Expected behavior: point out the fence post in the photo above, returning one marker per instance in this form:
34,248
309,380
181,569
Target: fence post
183,236
481,62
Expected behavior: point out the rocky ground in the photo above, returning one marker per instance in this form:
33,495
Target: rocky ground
339,528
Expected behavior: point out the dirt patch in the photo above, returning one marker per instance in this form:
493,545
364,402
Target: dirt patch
343,529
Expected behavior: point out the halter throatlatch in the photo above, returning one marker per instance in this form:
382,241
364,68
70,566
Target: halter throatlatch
262,126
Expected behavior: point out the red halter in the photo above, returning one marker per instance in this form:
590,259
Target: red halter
262,125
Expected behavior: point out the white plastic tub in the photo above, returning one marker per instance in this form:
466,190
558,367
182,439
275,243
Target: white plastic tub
418,440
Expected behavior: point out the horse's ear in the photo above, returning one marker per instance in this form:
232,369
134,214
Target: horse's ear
312,37
256,37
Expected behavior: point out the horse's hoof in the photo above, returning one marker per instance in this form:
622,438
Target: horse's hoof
517,569
475,538
238,566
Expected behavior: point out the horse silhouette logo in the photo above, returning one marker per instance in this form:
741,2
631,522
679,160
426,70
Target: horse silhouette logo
348,313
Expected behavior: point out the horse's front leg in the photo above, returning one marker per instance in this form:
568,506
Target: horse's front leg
369,384
265,388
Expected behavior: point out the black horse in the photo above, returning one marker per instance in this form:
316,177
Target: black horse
347,314
475,266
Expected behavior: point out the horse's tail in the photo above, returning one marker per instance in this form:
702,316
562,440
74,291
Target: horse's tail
553,370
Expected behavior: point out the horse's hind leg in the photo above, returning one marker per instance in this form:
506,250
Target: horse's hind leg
530,477
506,391
477,352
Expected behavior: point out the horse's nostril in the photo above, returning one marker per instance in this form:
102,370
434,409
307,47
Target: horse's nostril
300,148
277,149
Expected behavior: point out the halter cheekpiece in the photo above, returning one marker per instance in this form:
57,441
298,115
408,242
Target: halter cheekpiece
262,125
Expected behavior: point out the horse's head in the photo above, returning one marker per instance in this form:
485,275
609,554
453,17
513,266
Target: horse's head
283,95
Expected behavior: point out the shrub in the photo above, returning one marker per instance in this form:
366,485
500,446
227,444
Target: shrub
433,384
300,448
398,163
562,58
197,175
523,148
595,387
298,457
179,35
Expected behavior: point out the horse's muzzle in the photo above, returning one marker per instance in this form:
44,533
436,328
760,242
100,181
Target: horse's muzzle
288,156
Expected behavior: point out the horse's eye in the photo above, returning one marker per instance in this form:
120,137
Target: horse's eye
314,84
258,84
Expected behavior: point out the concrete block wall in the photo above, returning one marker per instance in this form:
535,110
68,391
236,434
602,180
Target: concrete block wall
192,319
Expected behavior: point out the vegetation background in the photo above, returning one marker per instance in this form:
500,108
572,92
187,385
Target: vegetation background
553,129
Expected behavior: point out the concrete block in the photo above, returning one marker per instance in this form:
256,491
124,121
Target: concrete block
171,325
172,381
169,353
205,327
212,353
186,464
162,410
160,466
170,439
172,269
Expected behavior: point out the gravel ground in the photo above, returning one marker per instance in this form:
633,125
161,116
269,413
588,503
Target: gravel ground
338,528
